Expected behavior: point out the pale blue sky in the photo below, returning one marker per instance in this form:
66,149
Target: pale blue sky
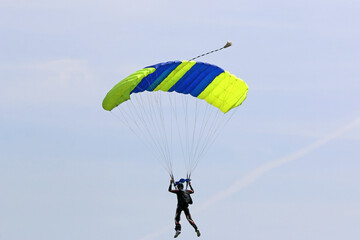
69,170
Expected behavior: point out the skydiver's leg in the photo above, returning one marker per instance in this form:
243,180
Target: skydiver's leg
177,219
188,217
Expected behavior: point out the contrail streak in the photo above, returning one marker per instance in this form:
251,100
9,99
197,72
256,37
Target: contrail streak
258,172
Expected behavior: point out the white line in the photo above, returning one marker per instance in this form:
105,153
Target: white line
258,172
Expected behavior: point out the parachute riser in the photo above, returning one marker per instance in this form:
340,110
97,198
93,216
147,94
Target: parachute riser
187,182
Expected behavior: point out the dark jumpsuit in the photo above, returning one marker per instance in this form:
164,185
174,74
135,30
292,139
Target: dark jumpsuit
182,206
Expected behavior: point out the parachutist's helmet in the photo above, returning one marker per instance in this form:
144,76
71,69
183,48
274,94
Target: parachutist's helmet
180,186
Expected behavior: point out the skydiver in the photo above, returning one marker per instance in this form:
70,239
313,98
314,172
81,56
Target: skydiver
184,199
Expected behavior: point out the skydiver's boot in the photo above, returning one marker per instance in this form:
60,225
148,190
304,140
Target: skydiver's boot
177,233
197,232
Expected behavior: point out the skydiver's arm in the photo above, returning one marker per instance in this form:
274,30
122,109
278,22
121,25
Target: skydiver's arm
170,187
191,191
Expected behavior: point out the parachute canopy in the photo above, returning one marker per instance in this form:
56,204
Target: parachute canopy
171,124
201,80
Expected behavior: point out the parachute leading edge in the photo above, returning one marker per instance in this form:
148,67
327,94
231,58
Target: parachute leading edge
202,80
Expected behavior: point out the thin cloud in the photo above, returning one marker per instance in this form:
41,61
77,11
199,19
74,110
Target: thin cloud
249,178
61,81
